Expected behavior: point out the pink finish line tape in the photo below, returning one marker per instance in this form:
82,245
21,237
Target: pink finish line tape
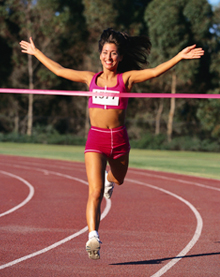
127,95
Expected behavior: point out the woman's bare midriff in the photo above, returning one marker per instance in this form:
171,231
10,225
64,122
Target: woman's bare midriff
107,118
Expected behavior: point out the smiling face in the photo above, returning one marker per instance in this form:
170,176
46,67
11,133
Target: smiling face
110,57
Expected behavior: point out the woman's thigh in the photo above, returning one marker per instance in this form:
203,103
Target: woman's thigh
95,169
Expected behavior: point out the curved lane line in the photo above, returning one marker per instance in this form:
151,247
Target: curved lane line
54,245
30,195
105,212
195,237
178,180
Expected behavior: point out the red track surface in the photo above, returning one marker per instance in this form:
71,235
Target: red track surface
158,223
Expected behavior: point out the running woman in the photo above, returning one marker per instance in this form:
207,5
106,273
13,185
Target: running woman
121,56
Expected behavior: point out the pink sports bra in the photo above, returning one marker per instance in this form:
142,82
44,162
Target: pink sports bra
108,102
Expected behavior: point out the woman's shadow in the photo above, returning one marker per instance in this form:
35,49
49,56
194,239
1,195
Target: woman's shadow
159,261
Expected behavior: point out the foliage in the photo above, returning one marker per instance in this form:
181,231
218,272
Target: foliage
68,30
181,143
209,115
58,29
215,57
172,26
46,135
130,15
49,136
99,15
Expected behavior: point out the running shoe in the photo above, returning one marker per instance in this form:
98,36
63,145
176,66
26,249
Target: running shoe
109,186
93,247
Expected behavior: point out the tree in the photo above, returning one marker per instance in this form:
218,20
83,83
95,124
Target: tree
54,26
173,25
215,57
209,115
130,16
5,65
209,110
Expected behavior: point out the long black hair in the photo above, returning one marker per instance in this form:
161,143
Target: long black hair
134,49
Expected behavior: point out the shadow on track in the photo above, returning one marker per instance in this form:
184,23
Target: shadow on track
159,261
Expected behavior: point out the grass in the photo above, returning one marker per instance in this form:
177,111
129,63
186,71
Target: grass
49,151
201,164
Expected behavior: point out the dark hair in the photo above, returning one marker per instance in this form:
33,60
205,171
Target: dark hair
134,49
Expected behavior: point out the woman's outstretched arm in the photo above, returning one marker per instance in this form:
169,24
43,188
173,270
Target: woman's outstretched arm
137,76
56,68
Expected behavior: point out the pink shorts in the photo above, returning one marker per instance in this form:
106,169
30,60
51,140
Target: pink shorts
113,143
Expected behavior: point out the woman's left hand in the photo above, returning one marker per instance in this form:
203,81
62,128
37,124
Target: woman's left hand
191,52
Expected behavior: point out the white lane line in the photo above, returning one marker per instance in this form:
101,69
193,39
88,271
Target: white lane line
30,195
54,245
78,165
195,237
145,174
177,180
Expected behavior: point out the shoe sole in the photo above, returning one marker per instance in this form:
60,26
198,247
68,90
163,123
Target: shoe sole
92,248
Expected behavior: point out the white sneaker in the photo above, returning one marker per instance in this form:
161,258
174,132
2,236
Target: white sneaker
109,186
93,247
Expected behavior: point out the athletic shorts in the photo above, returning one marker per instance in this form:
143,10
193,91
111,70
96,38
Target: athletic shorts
113,143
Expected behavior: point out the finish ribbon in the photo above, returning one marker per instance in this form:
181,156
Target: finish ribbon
124,94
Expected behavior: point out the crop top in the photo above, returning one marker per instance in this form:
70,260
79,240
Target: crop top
108,102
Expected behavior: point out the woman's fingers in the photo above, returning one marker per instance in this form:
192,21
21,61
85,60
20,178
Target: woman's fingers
27,47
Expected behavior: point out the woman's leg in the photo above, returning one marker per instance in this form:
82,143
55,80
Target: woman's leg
118,169
95,169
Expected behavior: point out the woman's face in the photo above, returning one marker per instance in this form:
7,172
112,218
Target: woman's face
109,56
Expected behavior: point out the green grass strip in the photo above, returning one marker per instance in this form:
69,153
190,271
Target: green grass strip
201,164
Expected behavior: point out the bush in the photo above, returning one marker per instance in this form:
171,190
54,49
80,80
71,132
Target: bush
186,143
210,146
149,141
44,138
183,143
192,144
48,135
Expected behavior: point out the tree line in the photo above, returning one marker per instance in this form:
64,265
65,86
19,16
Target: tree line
68,32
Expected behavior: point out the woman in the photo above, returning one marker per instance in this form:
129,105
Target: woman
121,56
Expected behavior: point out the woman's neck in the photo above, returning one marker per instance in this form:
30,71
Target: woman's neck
108,74
108,79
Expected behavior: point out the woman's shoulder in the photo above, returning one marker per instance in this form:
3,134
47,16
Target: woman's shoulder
89,75
92,78
126,77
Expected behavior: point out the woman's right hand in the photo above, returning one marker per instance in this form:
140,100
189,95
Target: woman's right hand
70,74
28,47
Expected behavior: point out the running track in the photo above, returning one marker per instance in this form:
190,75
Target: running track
157,224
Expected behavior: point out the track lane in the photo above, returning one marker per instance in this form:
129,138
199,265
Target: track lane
144,231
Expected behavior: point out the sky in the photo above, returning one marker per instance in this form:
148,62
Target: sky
214,2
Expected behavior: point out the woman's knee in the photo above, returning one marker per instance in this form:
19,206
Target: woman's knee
96,195
119,181
119,169
117,175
